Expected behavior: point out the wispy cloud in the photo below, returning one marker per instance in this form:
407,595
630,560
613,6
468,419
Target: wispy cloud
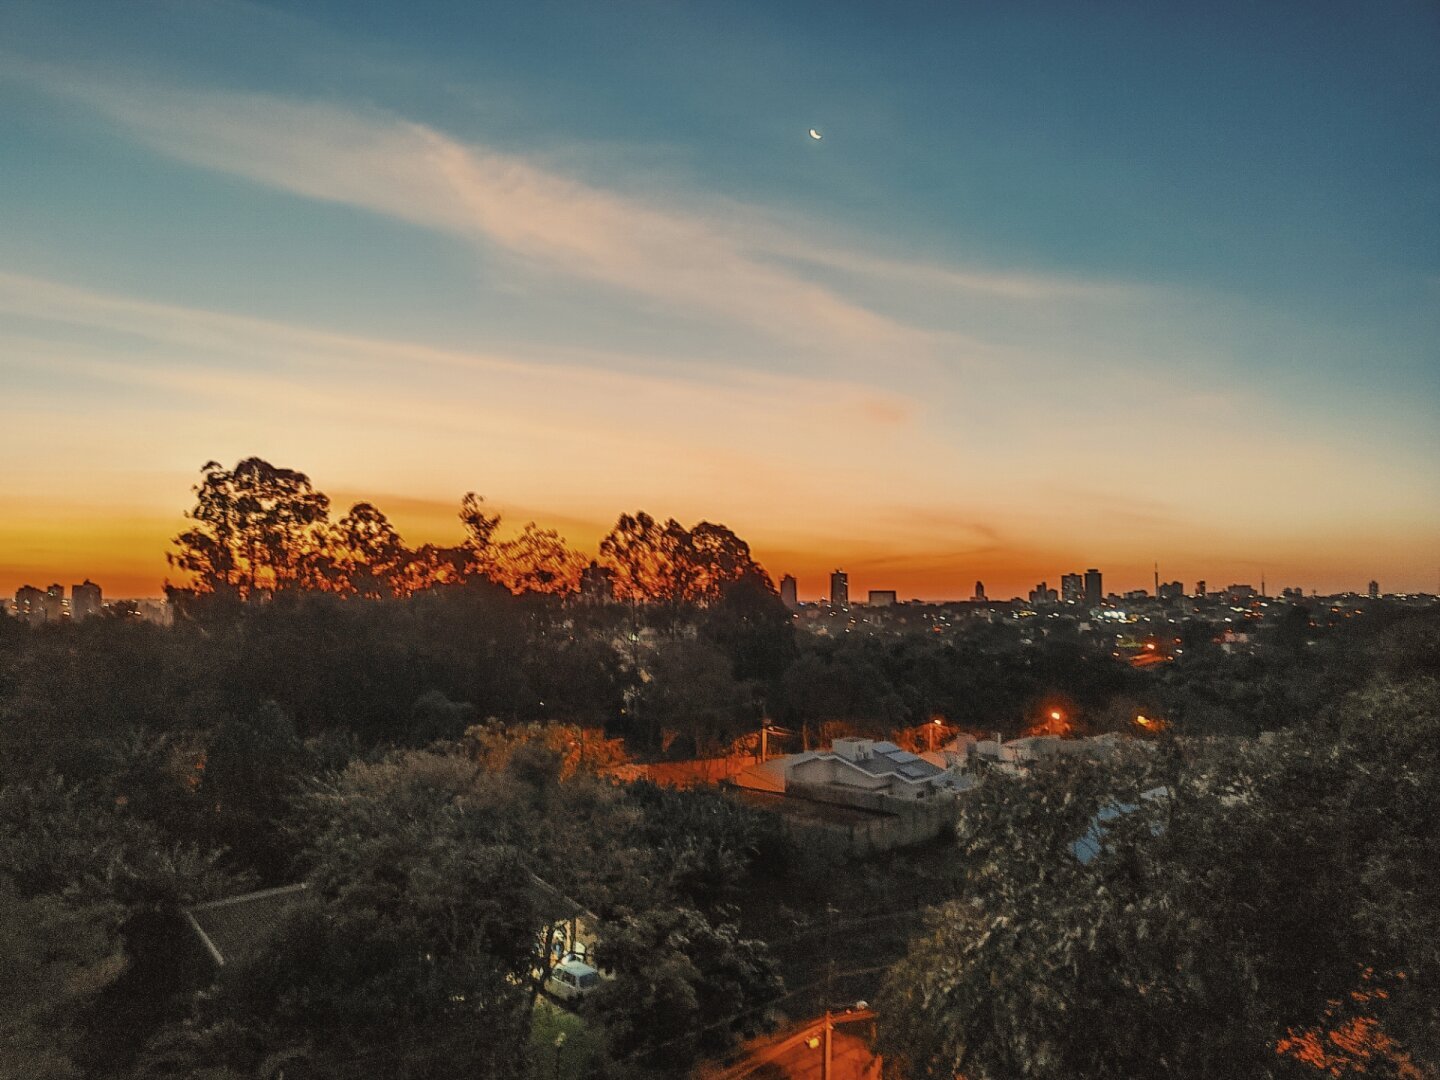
538,428
382,163
699,255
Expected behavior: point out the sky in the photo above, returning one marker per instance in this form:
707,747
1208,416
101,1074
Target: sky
1060,286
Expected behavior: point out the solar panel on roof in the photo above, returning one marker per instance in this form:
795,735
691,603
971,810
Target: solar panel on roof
902,756
885,748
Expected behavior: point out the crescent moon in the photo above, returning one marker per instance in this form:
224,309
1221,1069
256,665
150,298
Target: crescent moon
815,134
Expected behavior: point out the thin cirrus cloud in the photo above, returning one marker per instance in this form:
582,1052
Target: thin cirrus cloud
620,424
415,173
731,263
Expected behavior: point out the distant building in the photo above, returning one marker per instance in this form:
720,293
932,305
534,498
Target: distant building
789,594
84,600
1374,590
980,592
1170,591
55,603
1094,593
1043,594
30,604
1241,592
840,589
1072,588
1200,589
882,597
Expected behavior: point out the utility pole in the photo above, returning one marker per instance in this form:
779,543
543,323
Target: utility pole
764,739
829,990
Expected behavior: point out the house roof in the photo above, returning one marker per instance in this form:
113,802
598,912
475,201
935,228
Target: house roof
237,927
886,758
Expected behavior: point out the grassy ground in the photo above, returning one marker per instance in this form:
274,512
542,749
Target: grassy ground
568,1060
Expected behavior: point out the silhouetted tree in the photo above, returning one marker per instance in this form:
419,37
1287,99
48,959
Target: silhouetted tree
257,529
369,557
537,561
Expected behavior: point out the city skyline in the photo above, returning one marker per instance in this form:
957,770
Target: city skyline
1197,587
1057,289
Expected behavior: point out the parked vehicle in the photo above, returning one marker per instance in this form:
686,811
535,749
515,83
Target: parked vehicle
572,979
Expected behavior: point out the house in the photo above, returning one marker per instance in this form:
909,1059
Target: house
237,928
1017,755
860,767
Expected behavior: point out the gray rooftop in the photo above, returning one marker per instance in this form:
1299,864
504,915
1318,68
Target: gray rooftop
237,927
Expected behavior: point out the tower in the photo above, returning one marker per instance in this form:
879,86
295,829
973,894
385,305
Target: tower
789,595
1094,592
839,589
84,600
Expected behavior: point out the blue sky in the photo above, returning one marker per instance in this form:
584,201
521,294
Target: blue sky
1061,285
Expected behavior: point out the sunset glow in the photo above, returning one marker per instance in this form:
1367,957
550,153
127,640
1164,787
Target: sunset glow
999,342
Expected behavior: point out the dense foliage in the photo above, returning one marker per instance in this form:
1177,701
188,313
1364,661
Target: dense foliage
426,737
1212,908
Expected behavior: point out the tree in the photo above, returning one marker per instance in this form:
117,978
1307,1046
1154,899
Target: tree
479,546
720,559
683,988
669,564
1209,930
640,554
257,529
687,688
57,956
754,628
251,774
369,555
538,561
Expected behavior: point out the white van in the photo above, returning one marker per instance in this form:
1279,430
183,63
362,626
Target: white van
572,979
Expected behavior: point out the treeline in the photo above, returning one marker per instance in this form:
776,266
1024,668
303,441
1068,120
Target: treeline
258,530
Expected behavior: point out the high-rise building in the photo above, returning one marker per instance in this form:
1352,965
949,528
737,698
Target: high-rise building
980,592
1043,594
1200,588
1374,590
1094,593
840,589
84,600
789,594
1170,590
882,597
54,603
30,604
1072,588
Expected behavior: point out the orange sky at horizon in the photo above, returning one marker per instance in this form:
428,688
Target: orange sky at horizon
125,553
940,345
